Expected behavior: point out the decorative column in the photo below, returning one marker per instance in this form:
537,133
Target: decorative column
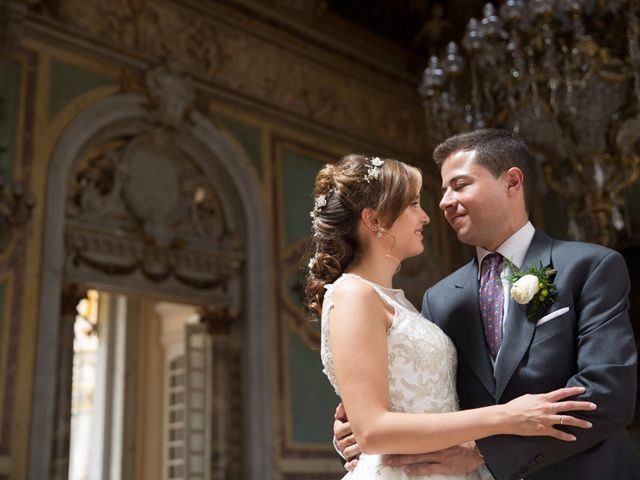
71,296
225,399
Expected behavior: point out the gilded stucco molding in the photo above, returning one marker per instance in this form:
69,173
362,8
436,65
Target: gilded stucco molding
252,66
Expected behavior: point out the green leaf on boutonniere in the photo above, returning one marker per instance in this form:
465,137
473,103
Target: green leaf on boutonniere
533,287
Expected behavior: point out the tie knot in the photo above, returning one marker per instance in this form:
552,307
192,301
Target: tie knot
493,260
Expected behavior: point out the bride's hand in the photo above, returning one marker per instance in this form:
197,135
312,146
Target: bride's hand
345,441
536,415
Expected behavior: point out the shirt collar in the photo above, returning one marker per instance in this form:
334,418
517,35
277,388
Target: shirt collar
514,248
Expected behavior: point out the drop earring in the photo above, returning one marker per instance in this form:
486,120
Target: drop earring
379,233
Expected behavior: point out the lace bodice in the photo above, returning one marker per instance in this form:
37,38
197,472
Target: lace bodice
422,364
422,359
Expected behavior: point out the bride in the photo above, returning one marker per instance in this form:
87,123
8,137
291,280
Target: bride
395,371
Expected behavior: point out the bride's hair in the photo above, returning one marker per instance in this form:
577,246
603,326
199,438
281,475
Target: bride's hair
342,191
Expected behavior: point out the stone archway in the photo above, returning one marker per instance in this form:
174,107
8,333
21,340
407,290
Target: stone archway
225,257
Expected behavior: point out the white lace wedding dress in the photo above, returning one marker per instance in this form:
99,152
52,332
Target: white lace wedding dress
422,372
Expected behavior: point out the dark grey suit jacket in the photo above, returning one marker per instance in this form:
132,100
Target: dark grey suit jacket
592,345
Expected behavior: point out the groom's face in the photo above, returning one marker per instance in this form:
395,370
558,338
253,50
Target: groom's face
474,202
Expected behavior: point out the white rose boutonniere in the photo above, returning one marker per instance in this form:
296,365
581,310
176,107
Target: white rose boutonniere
525,288
534,287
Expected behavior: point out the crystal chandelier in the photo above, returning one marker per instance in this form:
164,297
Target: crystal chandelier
565,74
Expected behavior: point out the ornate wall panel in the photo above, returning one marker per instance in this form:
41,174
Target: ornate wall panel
283,106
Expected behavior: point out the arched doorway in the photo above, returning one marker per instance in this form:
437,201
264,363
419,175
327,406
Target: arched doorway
147,199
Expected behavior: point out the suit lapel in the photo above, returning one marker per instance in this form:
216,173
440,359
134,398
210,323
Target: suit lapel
519,329
469,335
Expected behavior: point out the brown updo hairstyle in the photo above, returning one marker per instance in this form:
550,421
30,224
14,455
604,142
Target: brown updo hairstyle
334,244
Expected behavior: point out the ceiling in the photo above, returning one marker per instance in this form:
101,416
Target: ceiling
422,26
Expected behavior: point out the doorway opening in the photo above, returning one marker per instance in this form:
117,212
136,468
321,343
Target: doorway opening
142,402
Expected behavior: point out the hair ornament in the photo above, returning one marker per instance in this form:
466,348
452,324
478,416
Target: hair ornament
312,262
319,203
373,170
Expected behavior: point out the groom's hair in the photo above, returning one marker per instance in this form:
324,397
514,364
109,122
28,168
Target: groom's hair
497,150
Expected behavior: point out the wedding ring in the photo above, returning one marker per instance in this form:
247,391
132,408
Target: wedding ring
561,419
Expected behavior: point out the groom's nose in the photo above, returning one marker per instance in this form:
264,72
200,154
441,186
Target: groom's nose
447,201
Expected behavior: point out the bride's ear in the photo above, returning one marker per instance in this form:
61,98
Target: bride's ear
370,219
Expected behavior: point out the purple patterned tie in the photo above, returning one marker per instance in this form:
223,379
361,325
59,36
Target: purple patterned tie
491,302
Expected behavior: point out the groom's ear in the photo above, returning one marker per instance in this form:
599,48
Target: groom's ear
515,180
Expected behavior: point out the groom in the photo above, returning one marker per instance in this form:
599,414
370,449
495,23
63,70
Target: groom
583,338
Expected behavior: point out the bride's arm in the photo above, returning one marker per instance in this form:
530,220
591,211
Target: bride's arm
358,341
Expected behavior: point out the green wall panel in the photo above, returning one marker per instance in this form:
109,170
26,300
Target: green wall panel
298,176
295,288
69,81
8,120
249,137
313,401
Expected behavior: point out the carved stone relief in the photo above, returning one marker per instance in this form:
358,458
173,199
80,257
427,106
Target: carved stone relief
140,203
244,63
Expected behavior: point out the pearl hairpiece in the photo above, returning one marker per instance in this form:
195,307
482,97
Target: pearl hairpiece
373,170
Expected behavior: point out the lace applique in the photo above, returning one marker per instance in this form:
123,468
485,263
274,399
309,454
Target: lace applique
422,359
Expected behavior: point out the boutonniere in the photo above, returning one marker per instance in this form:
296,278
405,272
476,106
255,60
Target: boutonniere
533,287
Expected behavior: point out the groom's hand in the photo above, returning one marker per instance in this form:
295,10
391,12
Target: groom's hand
345,441
458,460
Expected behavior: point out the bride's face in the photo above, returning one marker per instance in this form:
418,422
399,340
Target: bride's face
408,231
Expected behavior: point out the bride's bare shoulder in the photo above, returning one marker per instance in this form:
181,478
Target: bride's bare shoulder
353,291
